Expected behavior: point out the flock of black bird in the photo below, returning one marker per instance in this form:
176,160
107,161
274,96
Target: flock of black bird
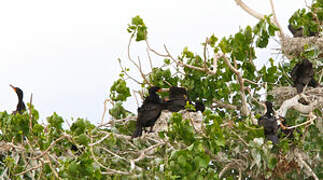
302,75
152,107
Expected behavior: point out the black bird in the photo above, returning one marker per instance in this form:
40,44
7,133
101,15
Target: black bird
199,106
149,111
177,99
21,107
269,122
299,32
302,75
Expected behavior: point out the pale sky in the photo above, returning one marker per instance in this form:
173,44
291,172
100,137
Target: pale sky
65,51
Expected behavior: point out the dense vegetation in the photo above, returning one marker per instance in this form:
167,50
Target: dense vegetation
224,141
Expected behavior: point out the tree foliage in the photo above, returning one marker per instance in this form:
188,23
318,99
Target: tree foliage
224,141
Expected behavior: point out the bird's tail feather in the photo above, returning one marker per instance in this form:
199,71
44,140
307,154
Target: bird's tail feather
137,132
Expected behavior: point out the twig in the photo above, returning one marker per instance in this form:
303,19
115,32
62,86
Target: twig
221,104
281,33
99,141
180,63
302,162
312,117
225,169
242,140
152,50
134,93
109,171
149,58
125,72
244,108
133,62
105,109
27,170
51,146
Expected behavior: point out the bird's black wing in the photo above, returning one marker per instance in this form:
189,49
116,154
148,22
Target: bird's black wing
148,114
294,74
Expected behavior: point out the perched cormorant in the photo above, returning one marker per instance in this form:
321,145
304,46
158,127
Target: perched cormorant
302,75
299,32
269,122
21,105
149,111
177,99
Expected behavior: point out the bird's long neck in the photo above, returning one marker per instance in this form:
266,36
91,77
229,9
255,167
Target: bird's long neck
21,105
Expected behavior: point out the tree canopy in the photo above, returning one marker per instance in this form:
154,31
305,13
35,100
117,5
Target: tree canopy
225,141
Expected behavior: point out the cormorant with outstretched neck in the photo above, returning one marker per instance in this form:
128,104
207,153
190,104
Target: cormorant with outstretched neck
269,122
177,99
302,75
21,107
149,111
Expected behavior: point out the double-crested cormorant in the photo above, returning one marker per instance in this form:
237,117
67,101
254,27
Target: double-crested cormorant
177,99
21,105
302,75
269,122
299,32
149,112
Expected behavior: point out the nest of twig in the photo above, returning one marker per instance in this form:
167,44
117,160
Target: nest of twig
281,94
295,46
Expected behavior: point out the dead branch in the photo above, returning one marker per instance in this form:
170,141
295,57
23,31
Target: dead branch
244,108
304,164
221,104
138,66
249,10
281,33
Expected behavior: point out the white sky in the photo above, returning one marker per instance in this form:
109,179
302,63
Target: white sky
65,51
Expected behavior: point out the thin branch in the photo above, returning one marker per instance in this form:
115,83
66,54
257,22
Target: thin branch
244,108
312,117
149,58
134,93
105,108
302,162
281,34
99,141
133,62
51,146
152,50
30,169
125,72
221,104
109,171
249,10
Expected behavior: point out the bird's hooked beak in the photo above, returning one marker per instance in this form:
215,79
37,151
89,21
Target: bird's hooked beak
13,87
163,90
